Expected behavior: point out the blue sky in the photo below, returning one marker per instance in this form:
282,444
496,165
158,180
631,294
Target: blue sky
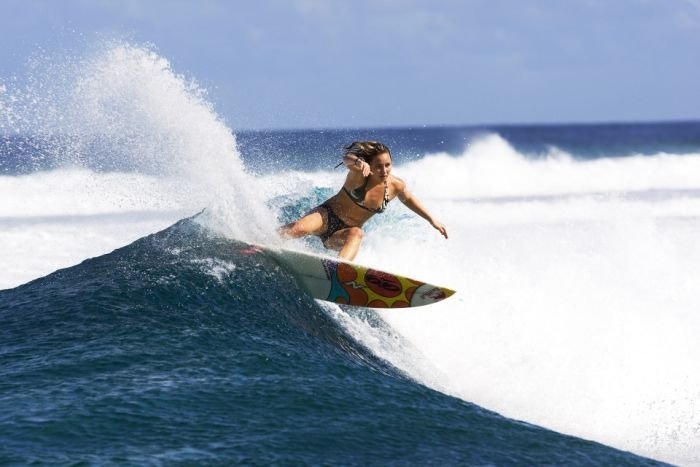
369,63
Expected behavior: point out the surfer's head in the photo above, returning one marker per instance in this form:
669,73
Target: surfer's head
376,154
367,150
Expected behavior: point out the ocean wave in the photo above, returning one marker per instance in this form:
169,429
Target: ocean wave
490,167
205,351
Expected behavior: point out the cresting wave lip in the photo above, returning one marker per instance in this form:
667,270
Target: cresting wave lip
114,130
122,108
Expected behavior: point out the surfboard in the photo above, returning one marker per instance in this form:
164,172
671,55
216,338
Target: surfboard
344,282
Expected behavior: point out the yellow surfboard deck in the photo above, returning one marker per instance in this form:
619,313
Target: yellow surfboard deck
338,281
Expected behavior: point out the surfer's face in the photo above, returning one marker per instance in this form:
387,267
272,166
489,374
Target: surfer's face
381,165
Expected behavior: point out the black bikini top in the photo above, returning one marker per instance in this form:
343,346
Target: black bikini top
357,195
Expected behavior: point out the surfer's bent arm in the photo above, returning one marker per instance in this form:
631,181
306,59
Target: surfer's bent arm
416,206
356,164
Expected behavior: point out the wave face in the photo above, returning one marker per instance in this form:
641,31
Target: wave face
572,248
184,347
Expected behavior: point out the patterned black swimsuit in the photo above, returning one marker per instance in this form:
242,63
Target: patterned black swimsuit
334,223
357,195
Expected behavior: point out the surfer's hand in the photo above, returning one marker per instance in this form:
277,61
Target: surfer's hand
441,228
364,167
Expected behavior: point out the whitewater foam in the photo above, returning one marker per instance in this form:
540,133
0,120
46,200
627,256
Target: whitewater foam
574,312
491,167
576,305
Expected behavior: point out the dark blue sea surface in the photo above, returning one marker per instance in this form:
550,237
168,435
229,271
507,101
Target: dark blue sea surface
143,356
321,149
302,150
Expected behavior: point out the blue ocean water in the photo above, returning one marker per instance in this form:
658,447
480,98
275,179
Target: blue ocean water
136,327
296,150
138,356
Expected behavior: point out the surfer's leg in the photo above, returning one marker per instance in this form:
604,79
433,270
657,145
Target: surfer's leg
347,241
311,224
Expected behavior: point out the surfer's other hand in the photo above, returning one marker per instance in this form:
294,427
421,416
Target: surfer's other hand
441,228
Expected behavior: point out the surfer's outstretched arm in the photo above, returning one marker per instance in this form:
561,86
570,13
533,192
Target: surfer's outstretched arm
416,206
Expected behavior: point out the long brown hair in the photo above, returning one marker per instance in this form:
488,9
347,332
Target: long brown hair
367,150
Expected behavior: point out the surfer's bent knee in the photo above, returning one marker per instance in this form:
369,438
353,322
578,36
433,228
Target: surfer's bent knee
355,232
338,240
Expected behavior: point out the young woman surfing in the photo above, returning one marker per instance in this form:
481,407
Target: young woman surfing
368,188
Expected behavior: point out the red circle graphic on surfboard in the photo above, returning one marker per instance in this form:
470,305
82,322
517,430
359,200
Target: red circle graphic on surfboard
381,283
